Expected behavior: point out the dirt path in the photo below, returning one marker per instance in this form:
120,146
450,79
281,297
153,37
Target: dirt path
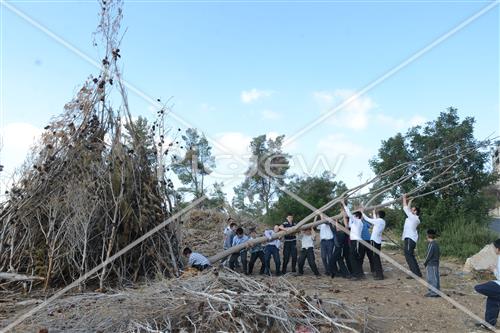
398,302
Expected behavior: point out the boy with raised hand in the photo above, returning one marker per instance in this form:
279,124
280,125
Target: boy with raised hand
307,251
378,223
196,260
326,236
491,290
356,249
240,238
410,236
256,252
272,250
289,244
340,251
431,263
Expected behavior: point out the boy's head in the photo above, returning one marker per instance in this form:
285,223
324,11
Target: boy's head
431,234
253,233
381,214
496,244
239,232
276,228
358,214
289,217
415,210
307,231
187,251
233,226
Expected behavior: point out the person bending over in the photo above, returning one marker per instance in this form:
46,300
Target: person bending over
491,290
196,260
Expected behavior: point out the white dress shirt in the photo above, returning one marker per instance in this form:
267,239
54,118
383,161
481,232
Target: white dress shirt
411,223
325,232
378,228
355,224
307,241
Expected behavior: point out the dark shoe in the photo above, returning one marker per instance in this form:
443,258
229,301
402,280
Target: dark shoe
378,278
409,277
431,295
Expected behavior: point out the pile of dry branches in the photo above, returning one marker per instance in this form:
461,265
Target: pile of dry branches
93,184
213,301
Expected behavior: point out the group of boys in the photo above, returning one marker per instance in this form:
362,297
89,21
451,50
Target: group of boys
343,246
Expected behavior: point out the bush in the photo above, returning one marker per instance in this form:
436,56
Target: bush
460,239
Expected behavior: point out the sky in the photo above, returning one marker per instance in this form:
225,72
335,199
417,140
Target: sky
238,69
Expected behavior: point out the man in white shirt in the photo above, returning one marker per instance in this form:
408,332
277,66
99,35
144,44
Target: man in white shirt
356,249
491,289
378,223
410,236
326,237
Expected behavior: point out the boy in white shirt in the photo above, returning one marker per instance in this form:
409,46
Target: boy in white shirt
356,249
491,289
326,236
378,223
307,251
410,236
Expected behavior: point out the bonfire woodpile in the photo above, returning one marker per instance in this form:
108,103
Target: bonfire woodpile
94,183
213,301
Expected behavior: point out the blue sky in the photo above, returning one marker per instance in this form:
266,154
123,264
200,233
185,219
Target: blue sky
237,70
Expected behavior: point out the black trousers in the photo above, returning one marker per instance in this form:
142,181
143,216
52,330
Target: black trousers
491,290
338,265
409,250
253,258
357,252
289,250
272,251
375,262
234,259
309,254
201,267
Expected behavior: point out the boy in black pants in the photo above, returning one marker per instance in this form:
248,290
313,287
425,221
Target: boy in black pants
308,252
431,263
256,252
289,245
340,251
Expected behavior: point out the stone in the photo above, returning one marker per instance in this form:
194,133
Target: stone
482,260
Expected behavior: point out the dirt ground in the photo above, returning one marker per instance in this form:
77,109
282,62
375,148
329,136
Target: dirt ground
395,304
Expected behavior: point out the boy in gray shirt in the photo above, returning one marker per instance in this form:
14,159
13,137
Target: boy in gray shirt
431,263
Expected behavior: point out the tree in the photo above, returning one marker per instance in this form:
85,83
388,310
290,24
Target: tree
447,133
317,191
197,162
267,171
217,198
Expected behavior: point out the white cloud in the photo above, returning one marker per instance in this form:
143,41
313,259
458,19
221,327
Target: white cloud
17,141
270,115
338,144
399,124
252,95
232,143
354,115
